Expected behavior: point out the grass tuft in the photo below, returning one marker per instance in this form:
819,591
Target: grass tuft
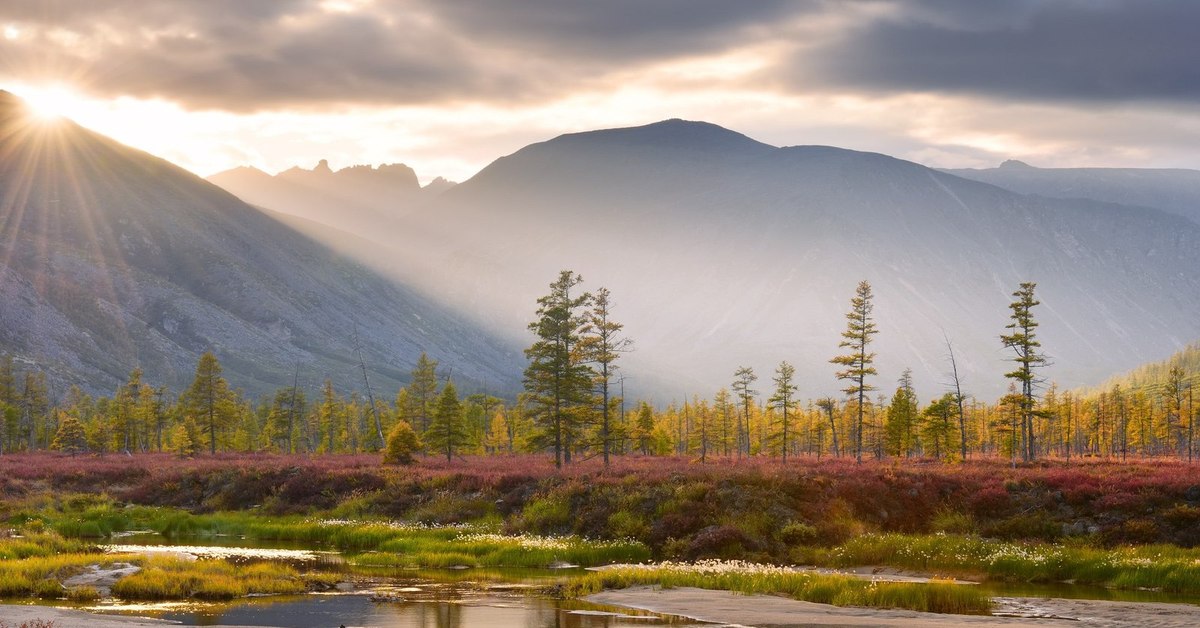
749,578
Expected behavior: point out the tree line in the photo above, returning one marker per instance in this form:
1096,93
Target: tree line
572,406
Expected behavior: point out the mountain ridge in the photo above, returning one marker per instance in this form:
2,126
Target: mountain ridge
113,258
721,251
1175,190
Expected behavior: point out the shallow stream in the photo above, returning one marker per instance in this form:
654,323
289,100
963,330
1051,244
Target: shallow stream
442,598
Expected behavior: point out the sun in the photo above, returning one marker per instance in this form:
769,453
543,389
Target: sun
51,102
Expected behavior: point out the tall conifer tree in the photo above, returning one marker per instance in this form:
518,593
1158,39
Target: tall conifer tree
423,392
783,401
603,344
208,399
1023,341
447,431
860,327
558,382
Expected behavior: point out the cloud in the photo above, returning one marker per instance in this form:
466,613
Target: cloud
247,55
261,55
1072,50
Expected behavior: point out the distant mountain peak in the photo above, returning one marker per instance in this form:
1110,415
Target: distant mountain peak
675,133
1016,164
323,167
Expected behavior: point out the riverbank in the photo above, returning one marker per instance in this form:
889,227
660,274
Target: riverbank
17,615
723,607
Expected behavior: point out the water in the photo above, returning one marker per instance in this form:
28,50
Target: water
379,597
400,598
456,610
1083,592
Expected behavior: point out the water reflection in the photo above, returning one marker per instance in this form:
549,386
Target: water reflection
495,611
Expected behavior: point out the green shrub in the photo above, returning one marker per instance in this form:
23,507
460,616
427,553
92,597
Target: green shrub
402,443
624,524
798,533
547,515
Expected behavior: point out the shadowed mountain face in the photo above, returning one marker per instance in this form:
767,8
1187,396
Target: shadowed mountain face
722,251
358,198
1172,190
111,258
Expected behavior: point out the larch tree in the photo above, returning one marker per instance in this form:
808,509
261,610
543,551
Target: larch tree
959,399
644,428
289,403
724,409
71,437
558,382
423,392
860,327
703,434
1022,339
402,443
784,401
827,406
208,400
938,426
603,343
902,417
126,409
330,415
447,431
1175,392
743,379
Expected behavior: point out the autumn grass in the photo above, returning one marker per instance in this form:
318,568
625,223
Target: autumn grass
36,565
748,578
496,550
1160,567
41,576
369,543
170,578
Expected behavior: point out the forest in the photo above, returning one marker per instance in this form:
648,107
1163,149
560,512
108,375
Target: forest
573,408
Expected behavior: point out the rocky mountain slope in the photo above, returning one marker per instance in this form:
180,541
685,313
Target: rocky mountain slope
111,258
1173,190
721,251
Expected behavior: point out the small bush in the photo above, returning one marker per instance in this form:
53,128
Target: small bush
798,533
952,522
1134,531
547,515
626,525
402,443
1024,527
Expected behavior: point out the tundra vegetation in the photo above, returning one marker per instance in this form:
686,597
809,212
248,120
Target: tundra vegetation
1043,485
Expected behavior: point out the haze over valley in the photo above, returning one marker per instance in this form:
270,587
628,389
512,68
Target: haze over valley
723,251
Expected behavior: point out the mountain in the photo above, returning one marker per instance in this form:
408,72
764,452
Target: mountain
722,251
360,198
111,258
1173,190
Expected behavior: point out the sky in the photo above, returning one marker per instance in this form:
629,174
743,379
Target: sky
447,86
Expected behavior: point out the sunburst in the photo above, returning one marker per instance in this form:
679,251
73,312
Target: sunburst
52,102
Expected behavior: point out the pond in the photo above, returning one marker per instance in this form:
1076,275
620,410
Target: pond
443,607
372,596
441,598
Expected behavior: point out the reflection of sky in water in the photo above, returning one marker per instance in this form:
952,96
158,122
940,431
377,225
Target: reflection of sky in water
326,611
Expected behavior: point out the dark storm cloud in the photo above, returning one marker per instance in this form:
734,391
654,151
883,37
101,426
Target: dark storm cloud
241,55
245,55
1093,50
619,30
